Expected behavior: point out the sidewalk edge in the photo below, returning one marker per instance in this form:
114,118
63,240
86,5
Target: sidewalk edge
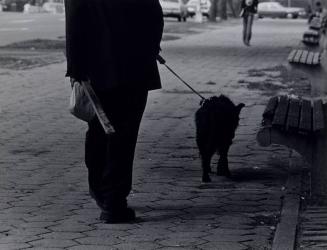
285,235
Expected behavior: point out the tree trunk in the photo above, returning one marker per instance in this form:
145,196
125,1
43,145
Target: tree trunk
231,6
223,9
213,10
237,6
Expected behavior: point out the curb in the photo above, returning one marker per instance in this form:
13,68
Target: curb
285,235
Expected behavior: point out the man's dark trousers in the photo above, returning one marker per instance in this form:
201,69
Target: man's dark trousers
109,159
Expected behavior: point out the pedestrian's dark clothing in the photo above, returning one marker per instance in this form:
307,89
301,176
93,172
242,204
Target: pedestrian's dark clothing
319,8
317,12
250,9
114,43
248,16
247,28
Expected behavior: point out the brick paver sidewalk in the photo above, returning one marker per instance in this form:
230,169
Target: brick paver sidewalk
313,228
43,181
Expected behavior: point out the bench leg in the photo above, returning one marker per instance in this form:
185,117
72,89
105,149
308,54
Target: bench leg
319,169
301,144
319,162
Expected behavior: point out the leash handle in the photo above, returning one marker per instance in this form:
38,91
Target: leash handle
162,61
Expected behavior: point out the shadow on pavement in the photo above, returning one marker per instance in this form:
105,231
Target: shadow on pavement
247,174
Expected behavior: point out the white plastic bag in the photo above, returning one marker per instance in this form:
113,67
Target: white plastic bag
80,105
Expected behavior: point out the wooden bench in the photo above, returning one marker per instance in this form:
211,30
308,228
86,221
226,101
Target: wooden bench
299,124
324,24
304,57
315,23
311,37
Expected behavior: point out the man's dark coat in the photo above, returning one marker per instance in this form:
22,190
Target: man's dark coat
114,49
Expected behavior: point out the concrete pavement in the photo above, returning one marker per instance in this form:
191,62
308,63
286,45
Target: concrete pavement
43,181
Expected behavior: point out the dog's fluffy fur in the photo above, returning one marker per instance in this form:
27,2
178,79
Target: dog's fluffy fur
216,122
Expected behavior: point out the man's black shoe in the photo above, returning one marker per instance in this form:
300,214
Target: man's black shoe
123,215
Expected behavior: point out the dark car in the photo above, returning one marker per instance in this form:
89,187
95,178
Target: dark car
13,5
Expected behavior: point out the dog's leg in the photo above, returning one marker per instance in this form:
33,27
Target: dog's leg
222,167
206,169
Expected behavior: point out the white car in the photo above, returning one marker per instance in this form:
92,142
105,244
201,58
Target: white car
174,8
54,6
275,9
204,7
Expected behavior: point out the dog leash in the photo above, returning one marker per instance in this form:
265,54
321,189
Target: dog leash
163,62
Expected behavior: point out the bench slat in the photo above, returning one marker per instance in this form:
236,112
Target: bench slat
316,58
315,26
311,33
270,108
311,40
310,58
318,116
305,118
298,56
293,117
304,56
281,112
291,55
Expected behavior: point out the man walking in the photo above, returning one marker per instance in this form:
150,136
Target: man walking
114,44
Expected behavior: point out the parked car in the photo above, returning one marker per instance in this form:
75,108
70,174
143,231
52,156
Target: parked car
54,6
296,12
204,7
13,5
174,8
276,10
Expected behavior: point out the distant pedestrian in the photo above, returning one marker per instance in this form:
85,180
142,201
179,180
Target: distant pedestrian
114,44
318,9
249,8
309,10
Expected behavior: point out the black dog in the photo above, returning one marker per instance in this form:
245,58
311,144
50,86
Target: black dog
216,122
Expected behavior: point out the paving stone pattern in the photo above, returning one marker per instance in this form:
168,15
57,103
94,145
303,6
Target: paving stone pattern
313,228
44,201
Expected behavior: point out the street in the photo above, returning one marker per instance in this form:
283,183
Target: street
43,180
16,27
